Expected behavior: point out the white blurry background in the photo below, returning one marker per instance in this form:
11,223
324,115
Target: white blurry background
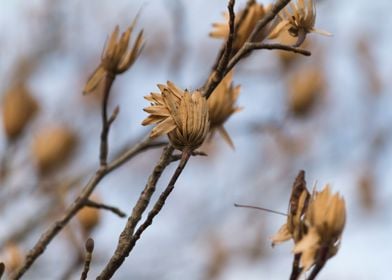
200,234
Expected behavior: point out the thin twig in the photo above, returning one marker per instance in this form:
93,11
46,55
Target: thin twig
296,269
87,261
104,146
124,242
115,210
218,73
162,198
260,208
322,257
249,47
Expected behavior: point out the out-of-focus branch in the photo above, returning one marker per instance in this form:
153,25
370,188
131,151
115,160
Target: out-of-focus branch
114,210
78,204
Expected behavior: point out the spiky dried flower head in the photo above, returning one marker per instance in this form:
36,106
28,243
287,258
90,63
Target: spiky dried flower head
298,19
18,108
222,104
325,219
116,57
180,114
244,24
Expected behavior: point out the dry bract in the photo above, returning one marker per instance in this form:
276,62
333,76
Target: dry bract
181,114
222,104
245,21
325,219
18,107
116,58
298,19
52,147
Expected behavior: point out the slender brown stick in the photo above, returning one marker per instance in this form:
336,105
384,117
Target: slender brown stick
124,242
322,257
296,270
217,74
162,198
2,269
87,261
260,208
115,210
104,146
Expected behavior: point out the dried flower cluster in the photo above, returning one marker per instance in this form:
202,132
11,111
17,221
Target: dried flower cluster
298,19
116,58
245,21
315,223
180,114
222,104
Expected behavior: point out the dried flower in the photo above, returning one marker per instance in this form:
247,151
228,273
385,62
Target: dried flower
305,89
244,24
52,147
180,114
298,19
18,107
116,58
325,219
294,228
222,104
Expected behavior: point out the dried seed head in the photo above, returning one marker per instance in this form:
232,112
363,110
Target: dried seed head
52,147
325,218
222,104
18,108
89,217
116,57
12,256
305,89
180,114
244,23
298,19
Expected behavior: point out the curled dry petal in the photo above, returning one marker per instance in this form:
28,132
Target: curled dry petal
222,104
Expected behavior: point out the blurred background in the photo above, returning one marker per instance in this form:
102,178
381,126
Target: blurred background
328,114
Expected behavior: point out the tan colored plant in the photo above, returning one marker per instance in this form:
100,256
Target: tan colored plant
52,147
18,108
325,219
298,19
182,115
116,58
244,23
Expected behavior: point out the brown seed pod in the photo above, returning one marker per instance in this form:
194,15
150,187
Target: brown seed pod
52,147
12,256
89,217
305,89
18,108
